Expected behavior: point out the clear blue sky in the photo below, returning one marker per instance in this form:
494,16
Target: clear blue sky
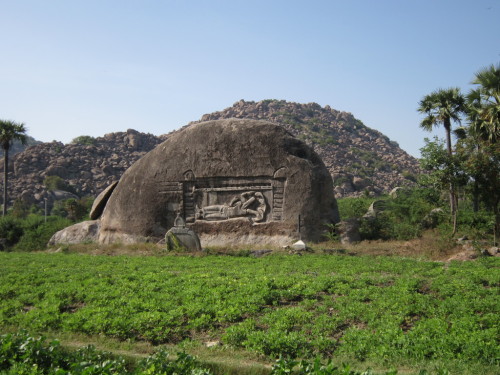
90,67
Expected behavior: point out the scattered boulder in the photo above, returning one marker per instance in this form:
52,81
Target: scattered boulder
348,231
101,200
61,195
299,246
86,231
360,183
493,251
375,208
395,192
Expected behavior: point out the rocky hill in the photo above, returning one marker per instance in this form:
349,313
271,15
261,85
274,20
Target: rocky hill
88,167
360,159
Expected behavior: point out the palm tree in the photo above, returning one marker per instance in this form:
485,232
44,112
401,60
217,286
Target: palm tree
9,131
484,104
483,113
442,107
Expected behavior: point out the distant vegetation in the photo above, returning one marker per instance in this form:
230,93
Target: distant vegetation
470,169
26,228
57,183
84,140
413,211
459,193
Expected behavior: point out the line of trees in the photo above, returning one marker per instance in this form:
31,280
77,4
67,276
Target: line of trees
473,163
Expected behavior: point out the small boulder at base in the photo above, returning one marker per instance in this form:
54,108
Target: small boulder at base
234,181
86,231
299,245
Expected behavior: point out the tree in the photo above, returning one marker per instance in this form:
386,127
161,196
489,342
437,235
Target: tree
442,107
483,112
9,131
484,104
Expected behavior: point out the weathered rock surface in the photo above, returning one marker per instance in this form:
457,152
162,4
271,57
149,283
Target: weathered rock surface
349,231
86,231
235,179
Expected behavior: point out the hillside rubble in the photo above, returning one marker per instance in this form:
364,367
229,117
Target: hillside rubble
89,168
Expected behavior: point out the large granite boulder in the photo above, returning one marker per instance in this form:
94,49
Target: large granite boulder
233,181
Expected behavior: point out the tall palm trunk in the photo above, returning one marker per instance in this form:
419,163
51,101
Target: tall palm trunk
453,196
5,177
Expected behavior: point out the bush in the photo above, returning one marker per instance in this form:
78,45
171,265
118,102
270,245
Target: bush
11,230
401,218
86,140
57,183
20,209
37,232
73,209
353,207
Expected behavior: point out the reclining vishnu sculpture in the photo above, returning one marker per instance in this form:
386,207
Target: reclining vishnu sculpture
249,204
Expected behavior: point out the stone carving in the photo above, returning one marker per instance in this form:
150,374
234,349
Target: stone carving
234,181
249,204
179,236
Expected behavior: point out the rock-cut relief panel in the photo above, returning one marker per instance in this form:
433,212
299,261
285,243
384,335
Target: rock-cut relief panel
251,204
259,199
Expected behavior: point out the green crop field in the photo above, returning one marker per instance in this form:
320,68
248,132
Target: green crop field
387,311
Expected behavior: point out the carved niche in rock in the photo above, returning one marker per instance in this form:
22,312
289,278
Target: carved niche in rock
233,181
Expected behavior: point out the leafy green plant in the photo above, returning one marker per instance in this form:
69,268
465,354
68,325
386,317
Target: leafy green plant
73,209
380,309
11,231
84,140
353,207
57,183
37,235
21,353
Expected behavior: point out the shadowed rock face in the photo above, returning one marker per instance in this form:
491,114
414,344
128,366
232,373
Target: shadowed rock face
233,181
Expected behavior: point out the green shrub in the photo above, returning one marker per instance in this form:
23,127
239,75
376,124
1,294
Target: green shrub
84,140
57,183
21,209
11,230
401,218
73,209
353,207
36,237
